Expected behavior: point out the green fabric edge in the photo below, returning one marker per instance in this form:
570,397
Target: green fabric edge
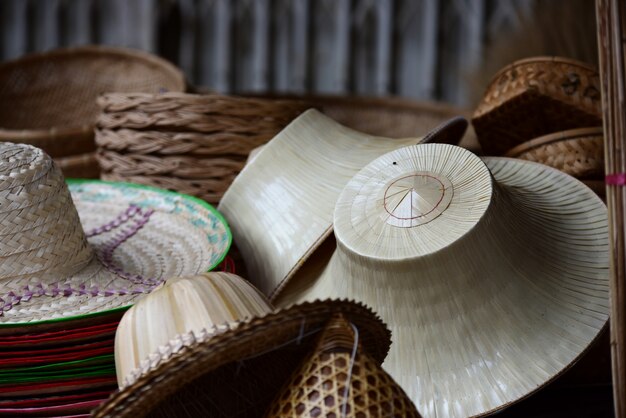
194,199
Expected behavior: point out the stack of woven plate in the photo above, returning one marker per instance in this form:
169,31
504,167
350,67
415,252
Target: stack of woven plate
57,371
194,144
548,110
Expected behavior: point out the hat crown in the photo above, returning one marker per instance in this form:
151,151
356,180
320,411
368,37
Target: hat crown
412,202
339,379
39,225
183,305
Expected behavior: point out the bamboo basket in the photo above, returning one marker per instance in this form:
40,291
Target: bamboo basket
193,144
577,152
535,97
611,15
49,99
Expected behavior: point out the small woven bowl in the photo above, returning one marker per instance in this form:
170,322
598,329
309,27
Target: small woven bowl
534,97
49,99
577,152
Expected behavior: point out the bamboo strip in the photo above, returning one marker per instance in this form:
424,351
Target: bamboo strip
611,15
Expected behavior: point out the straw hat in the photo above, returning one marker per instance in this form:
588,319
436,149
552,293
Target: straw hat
233,365
492,275
55,265
340,379
280,206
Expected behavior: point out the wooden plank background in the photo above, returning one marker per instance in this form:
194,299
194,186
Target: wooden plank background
421,49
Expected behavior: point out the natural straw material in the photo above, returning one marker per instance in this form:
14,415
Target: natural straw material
194,144
235,369
577,152
390,117
211,113
340,379
611,15
180,306
97,249
493,276
49,99
535,97
280,206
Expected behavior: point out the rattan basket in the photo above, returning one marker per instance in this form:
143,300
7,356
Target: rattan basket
49,99
577,152
390,117
194,144
534,97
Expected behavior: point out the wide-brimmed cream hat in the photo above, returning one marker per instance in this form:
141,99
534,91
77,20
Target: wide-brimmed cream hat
492,274
95,247
280,206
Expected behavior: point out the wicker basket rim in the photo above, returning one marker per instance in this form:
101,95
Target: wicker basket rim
25,135
101,50
530,60
554,137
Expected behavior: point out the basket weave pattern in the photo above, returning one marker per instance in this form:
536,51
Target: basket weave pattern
534,97
579,152
194,144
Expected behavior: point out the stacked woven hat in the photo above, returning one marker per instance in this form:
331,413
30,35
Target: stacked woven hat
73,259
548,110
211,345
193,144
49,99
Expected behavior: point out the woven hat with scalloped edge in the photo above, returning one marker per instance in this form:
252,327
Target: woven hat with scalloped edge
95,247
226,350
280,206
491,274
340,379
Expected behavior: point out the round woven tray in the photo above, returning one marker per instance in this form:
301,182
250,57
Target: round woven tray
578,152
534,97
49,99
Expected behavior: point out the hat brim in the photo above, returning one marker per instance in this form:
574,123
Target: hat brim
140,235
469,351
238,369
281,204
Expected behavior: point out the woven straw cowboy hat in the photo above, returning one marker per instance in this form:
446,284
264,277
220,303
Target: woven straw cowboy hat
233,354
339,379
492,274
95,247
280,206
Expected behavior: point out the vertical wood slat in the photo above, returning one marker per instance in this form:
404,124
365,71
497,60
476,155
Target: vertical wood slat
78,23
611,18
252,52
13,28
331,46
187,42
290,52
46,25
215,44
416,59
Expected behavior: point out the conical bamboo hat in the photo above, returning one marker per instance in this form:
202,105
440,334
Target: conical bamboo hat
492,275
280,207
338,379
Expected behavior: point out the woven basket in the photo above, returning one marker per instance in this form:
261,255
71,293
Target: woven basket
194,144
390,117
534,97
577,152
49,99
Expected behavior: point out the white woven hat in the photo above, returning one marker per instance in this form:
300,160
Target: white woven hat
280,206
492,274
65,256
